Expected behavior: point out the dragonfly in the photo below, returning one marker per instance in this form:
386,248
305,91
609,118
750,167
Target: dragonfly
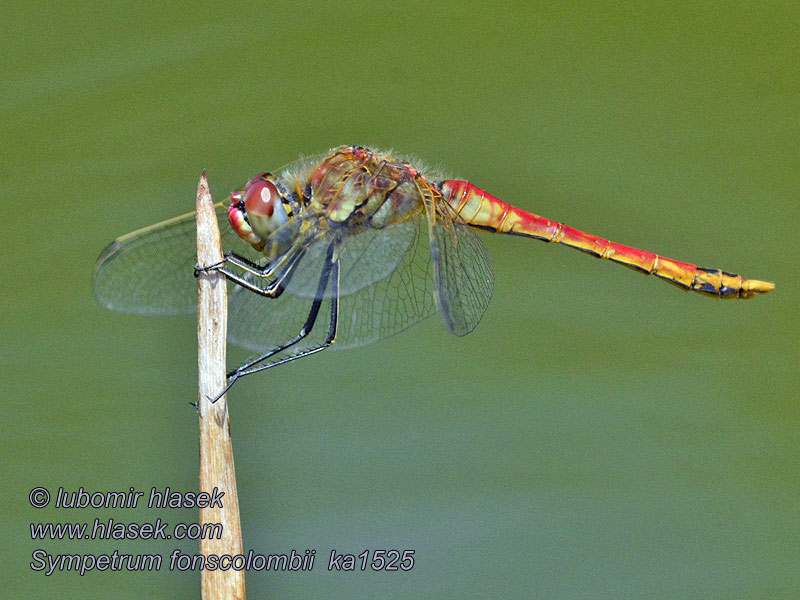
362,240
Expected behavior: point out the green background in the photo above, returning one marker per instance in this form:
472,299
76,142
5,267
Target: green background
600,435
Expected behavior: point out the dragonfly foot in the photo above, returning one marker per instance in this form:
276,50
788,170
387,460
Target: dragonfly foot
217,397
208,268
231,377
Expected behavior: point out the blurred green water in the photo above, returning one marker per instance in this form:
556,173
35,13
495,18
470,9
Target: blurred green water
599,435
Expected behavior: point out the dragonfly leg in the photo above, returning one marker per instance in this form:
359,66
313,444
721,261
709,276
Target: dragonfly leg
265,272
268,271
330,270
285,261
249,368
273,289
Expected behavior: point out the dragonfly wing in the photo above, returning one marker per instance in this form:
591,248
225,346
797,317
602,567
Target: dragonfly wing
365,257
461,268
374,303
395,302
151,271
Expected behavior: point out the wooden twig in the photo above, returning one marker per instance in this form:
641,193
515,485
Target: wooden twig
216,451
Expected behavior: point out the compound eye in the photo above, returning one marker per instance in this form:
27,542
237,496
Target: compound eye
256,179
261,199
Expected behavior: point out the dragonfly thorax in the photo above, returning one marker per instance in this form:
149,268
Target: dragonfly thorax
356,187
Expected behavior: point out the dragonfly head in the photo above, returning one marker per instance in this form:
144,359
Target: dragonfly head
259,210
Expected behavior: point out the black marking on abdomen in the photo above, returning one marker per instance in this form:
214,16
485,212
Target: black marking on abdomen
707,288
586,251
527,235
680,284
639,269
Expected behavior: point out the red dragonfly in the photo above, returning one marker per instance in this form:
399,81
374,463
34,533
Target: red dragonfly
362,237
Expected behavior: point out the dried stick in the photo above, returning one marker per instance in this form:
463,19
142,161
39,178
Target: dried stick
216,452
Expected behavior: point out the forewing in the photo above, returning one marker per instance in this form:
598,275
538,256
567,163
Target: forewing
461,267
151,271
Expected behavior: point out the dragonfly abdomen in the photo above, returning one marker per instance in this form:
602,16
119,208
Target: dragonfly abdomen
480,209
